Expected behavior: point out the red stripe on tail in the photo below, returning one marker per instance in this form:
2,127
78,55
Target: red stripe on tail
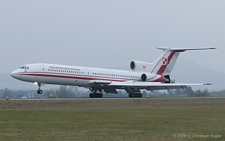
163,67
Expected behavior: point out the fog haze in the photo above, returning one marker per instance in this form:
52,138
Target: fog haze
109,33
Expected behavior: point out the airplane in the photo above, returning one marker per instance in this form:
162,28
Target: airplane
143,75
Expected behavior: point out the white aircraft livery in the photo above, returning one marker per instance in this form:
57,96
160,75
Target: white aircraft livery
143,75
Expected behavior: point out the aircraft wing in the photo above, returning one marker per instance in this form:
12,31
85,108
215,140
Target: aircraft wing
154,85
110,86
101,82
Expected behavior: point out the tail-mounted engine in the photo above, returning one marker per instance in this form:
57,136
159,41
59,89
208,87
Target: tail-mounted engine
168,79
144,77
147,77
140,66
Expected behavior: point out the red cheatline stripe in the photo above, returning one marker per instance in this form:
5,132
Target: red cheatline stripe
74,77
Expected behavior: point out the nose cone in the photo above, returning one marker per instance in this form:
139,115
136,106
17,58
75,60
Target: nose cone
15,74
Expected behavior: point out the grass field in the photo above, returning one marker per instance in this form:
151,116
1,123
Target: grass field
112,119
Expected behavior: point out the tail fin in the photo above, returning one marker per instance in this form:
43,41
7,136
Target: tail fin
164,64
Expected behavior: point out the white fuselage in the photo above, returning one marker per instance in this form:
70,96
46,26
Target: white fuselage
76,75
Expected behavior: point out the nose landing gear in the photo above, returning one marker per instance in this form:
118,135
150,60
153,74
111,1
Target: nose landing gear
39,91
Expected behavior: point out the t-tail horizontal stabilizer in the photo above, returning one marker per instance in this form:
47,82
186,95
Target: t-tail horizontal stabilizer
164,64
183,49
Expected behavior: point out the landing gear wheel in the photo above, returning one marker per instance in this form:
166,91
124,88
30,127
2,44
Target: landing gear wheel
39,91
91,95
132,95
95,95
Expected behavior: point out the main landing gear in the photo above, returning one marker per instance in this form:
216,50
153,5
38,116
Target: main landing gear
132,95
39,91
133,92
94,93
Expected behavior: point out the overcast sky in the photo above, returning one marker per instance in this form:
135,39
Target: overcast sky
109,33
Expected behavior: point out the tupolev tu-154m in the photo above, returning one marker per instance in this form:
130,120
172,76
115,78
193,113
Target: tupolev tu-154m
143,75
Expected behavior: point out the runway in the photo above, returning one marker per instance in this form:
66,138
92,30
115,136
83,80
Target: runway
116,98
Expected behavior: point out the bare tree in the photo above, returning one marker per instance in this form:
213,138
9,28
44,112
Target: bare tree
65,92
7,92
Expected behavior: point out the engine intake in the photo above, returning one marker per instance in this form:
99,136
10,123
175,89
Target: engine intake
132,65
143,77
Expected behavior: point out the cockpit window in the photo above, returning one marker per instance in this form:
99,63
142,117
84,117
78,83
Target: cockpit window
24,67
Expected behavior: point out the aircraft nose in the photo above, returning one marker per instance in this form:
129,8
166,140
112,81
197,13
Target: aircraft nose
13,74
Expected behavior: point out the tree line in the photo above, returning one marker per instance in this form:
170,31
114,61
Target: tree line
72,92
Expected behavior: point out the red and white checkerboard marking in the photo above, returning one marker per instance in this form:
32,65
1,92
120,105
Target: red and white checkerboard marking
165,61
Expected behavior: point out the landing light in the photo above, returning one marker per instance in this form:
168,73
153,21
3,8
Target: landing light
35,83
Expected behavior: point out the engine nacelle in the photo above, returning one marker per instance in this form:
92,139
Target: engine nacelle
152,78
144,77
169,79
140,66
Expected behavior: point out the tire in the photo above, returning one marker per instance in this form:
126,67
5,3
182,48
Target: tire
39,91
